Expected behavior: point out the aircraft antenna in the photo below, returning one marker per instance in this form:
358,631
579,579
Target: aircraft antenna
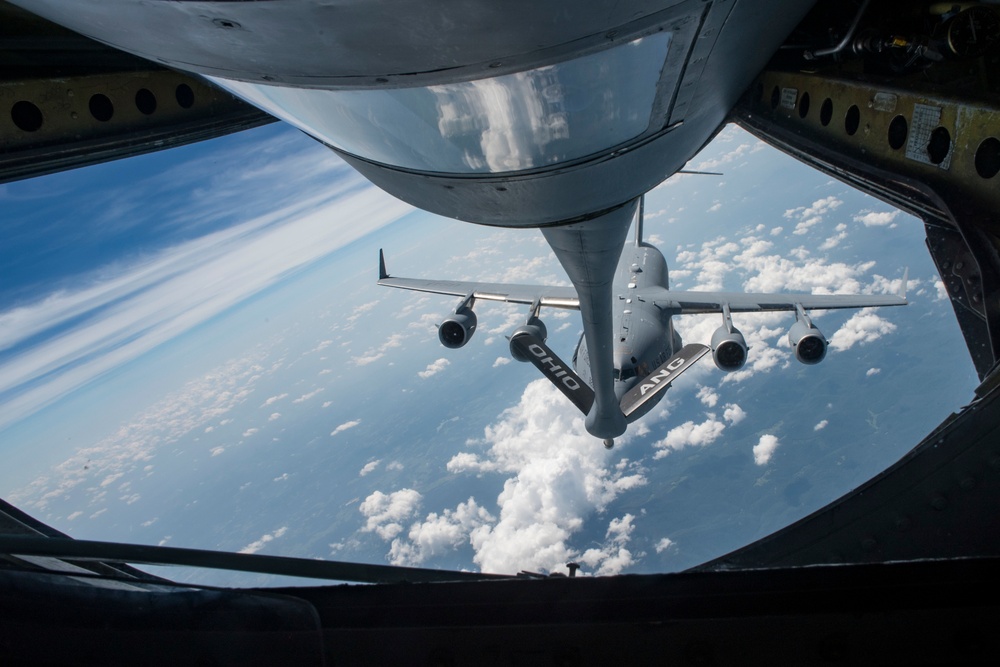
638,221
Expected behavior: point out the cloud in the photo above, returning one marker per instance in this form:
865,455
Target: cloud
274,415
375,353
127,451
863,327
764,449
259,544
434,368
557,475
664,544
821,425
708,396
273,399
70,337
250,431
876,219
872,371
733,413
689,433
501,361
439,534
385,512
346,425
613,556
369,467
305,397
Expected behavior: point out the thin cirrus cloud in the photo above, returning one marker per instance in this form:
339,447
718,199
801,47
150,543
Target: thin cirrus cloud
65,339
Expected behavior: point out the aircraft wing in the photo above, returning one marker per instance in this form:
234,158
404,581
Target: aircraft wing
691,303
549,296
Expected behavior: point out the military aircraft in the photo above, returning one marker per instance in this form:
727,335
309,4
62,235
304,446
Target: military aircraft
648,354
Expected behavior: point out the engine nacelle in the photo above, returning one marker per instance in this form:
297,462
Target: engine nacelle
456,331
729,349
807,341
533,327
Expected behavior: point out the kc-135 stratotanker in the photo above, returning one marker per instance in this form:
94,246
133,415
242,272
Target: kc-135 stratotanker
647,352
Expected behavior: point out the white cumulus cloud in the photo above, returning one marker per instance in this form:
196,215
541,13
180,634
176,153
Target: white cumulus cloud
385,512
434,368
876,218
733,413
370,467
439,534
689,433
708,396
557,477
863,327
764,449
664,544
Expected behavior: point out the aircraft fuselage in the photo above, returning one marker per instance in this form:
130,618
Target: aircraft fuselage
644,335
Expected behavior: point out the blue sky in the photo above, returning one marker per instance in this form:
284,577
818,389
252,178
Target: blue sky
193,352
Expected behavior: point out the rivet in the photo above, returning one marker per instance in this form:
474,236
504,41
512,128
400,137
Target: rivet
74,115
939,502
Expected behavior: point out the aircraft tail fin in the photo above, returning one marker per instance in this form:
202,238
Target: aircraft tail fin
906,279
558,372
658,381
382,273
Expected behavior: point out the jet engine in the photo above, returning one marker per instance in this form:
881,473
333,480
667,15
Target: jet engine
807,341
456,331
533,327
729,348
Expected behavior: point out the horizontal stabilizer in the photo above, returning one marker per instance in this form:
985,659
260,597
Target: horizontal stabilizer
660,379
556,370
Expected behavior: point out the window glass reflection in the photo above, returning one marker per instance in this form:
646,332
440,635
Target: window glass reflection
512,122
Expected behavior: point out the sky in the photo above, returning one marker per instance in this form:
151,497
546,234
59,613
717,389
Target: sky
193,352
